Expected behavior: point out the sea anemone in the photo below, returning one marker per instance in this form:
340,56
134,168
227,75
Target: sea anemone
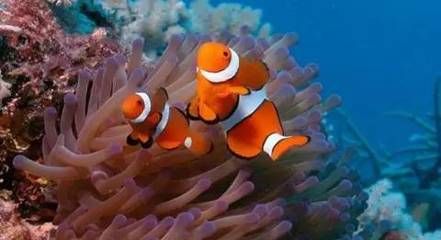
106,189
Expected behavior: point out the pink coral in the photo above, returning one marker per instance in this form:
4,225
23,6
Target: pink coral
12,227
42,52
40,64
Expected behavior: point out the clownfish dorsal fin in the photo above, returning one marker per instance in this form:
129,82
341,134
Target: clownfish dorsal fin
253,73
159,100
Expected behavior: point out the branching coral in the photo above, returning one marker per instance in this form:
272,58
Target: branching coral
344,132
13,227
416,168
157,21
40,62
387,212
425,154
106,189
41,51
61,2
225,17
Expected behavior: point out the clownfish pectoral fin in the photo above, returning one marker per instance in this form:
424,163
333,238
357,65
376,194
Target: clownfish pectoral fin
192,109
253,73
276,144
206,113
131,141
154,118
239,90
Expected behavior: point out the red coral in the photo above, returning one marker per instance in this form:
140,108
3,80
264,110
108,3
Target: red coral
40,62
42,51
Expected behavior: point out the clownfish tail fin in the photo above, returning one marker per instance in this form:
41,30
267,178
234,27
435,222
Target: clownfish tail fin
276,144
197,143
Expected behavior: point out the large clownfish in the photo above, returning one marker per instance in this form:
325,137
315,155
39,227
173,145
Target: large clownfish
230,90
153,120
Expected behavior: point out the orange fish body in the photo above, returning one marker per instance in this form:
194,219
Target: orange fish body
230,90
153,120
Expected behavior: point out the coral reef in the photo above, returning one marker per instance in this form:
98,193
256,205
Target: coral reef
418,163
42,52
344,132
422,159
61,2
4,89
411,206
414,169
85,16
39,64
386,213
228,17
12,226
105,188
157,20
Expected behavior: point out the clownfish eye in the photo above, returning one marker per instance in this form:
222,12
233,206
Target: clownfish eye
139,102
226,54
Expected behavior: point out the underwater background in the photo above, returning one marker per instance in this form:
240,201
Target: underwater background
363,78
380,56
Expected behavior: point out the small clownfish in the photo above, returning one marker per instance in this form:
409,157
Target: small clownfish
153,120
230,90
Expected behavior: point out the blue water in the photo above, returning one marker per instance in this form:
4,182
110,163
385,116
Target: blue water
379,55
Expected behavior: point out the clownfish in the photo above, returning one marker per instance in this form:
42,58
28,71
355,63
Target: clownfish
230,91
152,119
